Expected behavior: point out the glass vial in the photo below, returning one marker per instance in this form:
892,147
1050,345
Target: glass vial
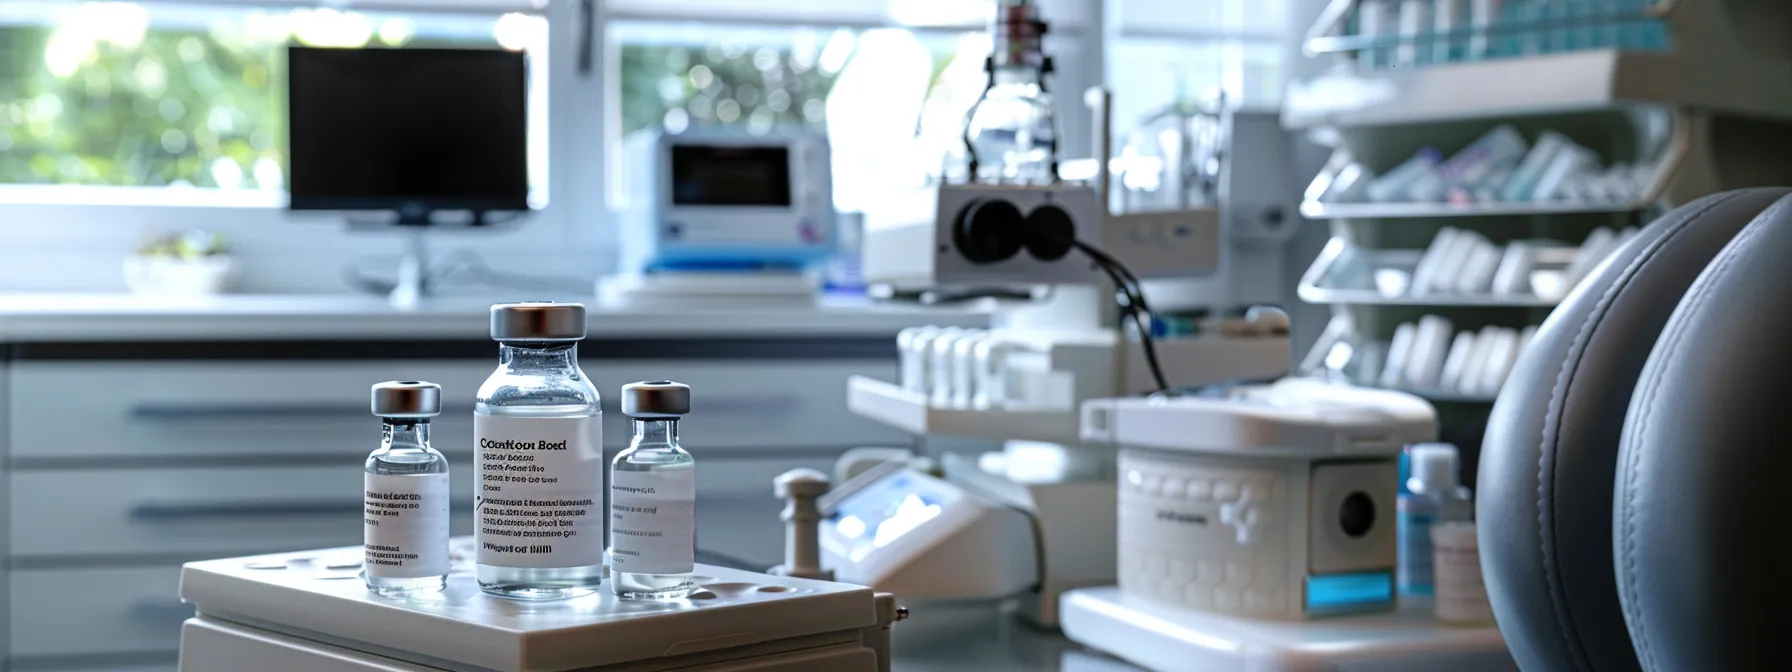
405,495
653,497
539,531
1011,133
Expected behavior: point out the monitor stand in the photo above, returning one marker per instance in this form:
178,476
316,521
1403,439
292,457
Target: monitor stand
413,270
414,282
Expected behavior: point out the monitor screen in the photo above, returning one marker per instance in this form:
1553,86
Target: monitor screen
731,175
405,129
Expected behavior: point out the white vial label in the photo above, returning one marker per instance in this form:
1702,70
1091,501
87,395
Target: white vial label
653,521
1461,591
406,525
541,491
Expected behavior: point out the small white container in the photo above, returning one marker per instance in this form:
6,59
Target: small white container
1461,592
179,277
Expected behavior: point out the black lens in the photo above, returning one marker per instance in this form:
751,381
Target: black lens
1357,515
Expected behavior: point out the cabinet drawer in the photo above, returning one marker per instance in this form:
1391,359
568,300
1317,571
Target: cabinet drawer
234,408
196,512
174,409
58,612
207,512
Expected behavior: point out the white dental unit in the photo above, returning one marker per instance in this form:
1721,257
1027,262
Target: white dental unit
309,612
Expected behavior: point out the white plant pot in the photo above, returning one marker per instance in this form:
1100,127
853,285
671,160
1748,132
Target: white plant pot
179,277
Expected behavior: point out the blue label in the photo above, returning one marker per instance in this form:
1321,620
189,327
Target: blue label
1349,592
1414,533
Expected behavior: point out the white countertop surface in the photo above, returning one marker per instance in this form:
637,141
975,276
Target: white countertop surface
126,317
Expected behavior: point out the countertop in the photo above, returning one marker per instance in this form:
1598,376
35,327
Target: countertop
125,317
973,637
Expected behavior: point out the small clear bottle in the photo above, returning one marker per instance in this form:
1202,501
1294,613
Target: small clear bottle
405,495
537,439
1433,497
653,498
1011,133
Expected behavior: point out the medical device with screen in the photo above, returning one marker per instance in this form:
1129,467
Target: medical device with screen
724,199
722,175
409,130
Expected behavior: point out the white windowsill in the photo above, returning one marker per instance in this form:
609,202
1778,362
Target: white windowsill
184,197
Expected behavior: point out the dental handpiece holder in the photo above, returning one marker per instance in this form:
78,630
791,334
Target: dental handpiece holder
1270,501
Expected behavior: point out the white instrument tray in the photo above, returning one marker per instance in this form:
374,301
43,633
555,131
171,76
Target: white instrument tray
319,595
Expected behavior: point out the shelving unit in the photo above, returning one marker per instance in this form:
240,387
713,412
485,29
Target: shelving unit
1710,110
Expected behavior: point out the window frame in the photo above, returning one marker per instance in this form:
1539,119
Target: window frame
86,205
584,116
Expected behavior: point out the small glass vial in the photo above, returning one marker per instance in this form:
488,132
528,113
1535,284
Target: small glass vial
537,442
653,498
405,495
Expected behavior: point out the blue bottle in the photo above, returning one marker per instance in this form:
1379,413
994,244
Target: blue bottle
1432,495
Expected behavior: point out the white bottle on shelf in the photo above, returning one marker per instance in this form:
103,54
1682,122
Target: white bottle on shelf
1460,350
1398,351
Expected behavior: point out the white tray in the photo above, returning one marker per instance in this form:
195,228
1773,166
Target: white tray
319,595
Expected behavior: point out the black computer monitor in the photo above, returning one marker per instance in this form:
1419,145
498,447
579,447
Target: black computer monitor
407,130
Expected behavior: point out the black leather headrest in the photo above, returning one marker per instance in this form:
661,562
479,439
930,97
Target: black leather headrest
1547,464
1701,529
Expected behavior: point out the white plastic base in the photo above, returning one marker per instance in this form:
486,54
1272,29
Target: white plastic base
1169,640
708,289
318,597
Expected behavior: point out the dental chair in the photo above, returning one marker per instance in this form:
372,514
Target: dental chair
1634,478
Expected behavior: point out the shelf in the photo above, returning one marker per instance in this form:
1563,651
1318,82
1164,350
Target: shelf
909,411
1344,274
1312,210
1535,85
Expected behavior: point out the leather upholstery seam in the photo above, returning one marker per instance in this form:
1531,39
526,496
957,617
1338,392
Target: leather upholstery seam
1639,629
1559,393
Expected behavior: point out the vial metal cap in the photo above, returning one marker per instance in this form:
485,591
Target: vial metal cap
407,399
538,321
656,399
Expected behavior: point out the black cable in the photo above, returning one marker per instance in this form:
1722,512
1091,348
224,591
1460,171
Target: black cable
1130,297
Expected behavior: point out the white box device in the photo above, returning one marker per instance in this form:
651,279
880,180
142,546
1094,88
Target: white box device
1271,501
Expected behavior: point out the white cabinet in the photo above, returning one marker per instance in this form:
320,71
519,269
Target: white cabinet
272,409
68,612
122,470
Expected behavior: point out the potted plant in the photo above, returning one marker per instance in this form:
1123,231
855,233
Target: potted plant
194,263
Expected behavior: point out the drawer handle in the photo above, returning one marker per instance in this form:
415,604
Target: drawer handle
759,404
159,412
289,509
172,412
160,610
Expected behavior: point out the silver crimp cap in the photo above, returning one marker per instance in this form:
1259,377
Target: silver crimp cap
538,321
656,399
407,399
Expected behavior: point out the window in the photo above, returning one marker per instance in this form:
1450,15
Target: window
888,81
1172,52
873,92
160,95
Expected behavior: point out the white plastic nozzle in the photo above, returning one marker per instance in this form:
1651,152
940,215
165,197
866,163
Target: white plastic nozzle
1434,468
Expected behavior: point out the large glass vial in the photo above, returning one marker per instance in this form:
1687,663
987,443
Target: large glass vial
405,495
653,492
540,483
